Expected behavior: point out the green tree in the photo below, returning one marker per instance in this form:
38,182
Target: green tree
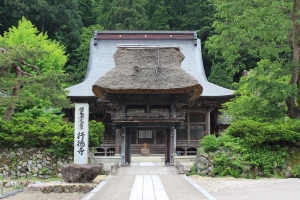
60,19
87,12
24,84
179,14
266,34
67,24
259,97
220,76
81,54
124,15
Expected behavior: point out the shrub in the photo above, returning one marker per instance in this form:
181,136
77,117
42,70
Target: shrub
254,133
296,171
210,143
96,131
45,130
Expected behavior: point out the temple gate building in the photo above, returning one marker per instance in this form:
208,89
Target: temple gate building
149,87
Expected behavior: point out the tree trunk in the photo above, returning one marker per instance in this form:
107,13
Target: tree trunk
10,110
293,108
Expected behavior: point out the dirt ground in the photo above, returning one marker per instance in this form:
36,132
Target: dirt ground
37,195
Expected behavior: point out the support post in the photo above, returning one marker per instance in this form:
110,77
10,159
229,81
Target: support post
81,133
175,133
118,141
127,147
208,122
123,146
172,152
167,147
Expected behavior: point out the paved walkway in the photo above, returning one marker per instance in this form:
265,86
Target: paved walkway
147,181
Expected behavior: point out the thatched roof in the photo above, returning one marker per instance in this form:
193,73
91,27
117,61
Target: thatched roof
147,70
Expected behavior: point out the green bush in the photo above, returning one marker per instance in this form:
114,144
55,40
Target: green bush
266,159
296,171
193,171
254,133
210,143
252,162
96,131
44,129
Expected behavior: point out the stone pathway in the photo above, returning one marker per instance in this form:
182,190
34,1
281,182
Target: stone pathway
146,181
148,187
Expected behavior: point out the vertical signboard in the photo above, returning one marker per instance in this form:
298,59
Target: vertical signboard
81,134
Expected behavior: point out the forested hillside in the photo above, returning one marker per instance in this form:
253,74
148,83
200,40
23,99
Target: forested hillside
71,22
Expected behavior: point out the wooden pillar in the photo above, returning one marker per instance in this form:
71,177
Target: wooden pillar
118,142
123,146
172,145
127,148
175,133
167,147
208,122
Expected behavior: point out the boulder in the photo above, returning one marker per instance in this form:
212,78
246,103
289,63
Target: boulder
80,173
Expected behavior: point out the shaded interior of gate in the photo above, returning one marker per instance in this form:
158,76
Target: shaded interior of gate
167,138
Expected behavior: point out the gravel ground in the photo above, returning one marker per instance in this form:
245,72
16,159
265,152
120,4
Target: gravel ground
208,183
220,184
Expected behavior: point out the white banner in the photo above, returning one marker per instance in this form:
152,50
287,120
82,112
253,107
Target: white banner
81,134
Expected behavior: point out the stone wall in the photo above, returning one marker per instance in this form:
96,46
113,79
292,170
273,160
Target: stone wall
30,162
204,163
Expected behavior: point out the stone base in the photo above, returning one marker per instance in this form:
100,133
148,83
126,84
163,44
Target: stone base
61,187
79,173
145,152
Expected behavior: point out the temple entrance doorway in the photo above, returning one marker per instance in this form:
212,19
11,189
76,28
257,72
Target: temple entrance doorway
151,137
145,142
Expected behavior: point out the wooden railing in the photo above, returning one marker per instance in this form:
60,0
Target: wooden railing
187,143
109,143
188,148
177,116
